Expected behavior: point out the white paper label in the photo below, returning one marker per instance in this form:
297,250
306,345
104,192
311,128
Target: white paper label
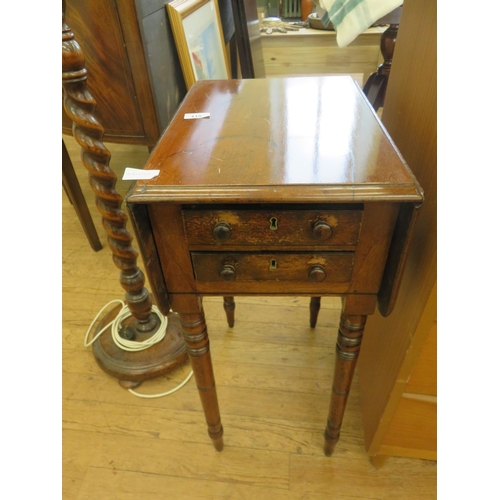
135,174
194,116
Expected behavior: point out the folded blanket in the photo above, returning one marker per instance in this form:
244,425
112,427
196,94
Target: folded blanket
351,17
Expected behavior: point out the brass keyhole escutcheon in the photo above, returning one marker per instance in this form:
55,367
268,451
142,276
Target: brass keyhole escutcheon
273,264
274,223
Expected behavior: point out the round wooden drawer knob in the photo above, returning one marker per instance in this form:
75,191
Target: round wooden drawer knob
228,273
322,231
317,273
221,232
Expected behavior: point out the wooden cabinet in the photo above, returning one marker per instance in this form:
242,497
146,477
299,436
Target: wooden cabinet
408,422
133,69
397,366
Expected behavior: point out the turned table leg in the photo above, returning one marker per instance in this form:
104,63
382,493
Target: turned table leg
229,307
314,306
195,334
349,339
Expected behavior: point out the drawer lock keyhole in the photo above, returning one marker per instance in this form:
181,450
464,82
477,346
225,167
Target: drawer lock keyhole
274,223
273,265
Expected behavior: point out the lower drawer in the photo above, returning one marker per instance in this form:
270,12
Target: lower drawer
299,267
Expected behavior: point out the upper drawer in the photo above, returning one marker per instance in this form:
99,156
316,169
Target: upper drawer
272,227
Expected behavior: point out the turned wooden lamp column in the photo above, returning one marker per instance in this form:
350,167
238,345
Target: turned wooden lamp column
131,368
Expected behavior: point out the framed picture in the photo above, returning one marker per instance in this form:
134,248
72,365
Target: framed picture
199,40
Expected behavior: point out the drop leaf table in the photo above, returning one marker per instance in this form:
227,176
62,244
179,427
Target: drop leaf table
275,187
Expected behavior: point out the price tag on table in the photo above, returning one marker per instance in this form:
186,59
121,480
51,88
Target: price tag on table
194,116
135,174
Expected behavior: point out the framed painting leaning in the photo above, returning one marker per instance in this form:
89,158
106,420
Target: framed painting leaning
199,40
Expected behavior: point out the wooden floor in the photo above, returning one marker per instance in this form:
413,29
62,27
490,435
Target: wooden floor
274,402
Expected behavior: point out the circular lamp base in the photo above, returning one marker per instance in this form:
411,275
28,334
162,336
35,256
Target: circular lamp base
133,368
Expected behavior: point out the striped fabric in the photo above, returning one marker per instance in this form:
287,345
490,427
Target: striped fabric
351,17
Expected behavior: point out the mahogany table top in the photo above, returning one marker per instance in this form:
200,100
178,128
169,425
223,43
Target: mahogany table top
311,139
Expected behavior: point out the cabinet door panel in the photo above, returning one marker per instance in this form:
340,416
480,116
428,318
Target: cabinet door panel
99,30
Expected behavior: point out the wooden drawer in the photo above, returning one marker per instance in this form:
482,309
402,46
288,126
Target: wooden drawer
301,267
272,227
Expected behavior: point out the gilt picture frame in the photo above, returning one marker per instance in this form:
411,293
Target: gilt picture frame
199,39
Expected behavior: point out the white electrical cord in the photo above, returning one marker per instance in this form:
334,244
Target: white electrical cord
132,345
150,396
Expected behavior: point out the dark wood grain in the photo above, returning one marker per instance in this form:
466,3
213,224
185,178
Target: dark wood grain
377,227
137,58
276,266
396,260
168,232
118,77
299,227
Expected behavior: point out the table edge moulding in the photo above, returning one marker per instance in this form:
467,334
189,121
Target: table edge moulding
270,196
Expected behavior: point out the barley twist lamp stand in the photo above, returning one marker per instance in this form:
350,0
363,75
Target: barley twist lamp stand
131,368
